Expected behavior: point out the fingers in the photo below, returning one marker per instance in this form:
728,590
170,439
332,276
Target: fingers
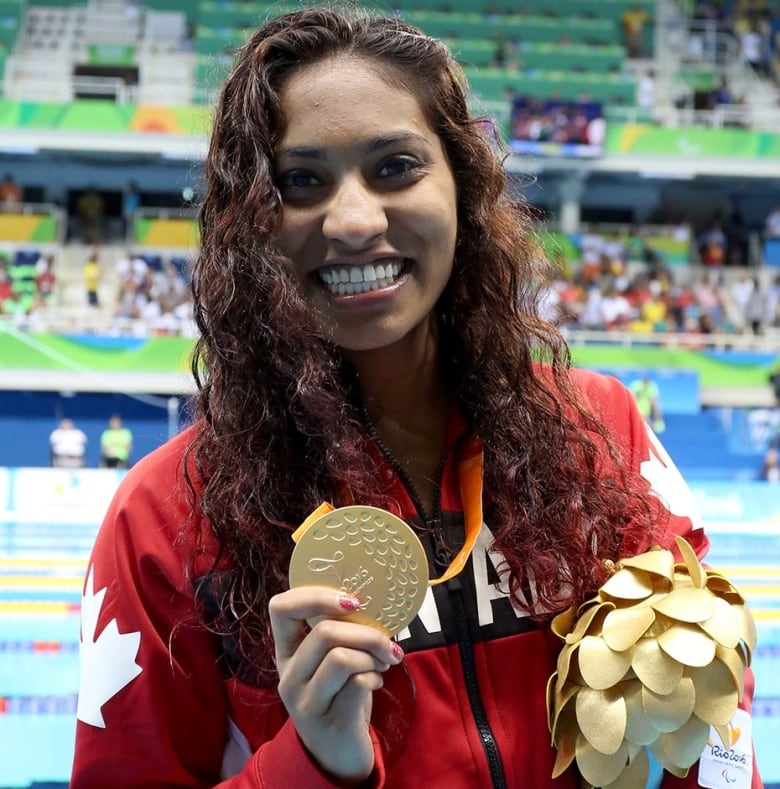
355,695
316,665
333,654
289,612
327,674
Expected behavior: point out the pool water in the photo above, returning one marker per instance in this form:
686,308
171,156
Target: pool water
42,566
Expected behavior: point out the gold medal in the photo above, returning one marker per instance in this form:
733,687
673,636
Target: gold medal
369,553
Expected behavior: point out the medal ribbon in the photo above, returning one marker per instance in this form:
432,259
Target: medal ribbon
470,483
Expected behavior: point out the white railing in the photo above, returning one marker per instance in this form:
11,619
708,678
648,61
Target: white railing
104,87
719,117
764,343
77,319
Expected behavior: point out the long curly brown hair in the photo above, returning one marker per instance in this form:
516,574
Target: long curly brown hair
282,429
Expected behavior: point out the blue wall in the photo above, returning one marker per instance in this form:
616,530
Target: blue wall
27,419
713,444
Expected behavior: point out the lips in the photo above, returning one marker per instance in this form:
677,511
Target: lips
347,280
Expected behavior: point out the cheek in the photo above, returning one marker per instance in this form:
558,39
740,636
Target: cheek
443,231
438,225
292,240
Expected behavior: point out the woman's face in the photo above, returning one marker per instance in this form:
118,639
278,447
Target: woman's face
369,203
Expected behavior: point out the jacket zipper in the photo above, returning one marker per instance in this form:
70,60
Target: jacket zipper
443,556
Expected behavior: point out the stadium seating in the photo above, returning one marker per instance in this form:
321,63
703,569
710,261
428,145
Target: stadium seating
571,49
585,58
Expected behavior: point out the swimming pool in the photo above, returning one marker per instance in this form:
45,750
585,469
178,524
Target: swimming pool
42,565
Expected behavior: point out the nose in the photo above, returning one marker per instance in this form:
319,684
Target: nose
355,215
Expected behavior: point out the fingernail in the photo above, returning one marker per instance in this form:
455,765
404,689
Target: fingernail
349,603
398,653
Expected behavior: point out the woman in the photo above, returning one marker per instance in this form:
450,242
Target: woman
365,292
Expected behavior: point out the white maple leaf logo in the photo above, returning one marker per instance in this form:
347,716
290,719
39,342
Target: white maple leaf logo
667,484
107,663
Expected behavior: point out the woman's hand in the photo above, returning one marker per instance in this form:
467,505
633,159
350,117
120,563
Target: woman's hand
327,674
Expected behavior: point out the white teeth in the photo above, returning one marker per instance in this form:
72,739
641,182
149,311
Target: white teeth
348,280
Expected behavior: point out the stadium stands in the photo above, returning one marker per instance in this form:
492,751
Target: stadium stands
547,60
572,50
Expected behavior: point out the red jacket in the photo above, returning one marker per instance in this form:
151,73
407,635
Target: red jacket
466,706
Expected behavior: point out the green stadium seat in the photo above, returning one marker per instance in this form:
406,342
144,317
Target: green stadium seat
572,61
55,3
492,84
514,27
542,55
244,16
187,7
611,9
212,42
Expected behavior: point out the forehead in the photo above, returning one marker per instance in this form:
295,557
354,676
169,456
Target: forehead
348,96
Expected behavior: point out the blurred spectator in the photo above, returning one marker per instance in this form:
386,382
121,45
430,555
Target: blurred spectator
759,309
706,292
91,209
6,287
131,202
712,245
772,223
633,21
499,52
596,132
737,242
635,245
131,300
648,401
681,230
591,246
680,302
753,50
68,445
45,278
116,444
652,312
131,266
10,193
615,309
741,289
169,288
721,94
645,90
92,276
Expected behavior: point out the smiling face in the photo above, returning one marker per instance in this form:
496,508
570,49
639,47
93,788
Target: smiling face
369,203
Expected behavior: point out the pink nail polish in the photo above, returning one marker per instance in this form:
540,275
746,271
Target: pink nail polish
398,651
349,603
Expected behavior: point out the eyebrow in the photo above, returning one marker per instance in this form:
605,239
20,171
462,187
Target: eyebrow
377,144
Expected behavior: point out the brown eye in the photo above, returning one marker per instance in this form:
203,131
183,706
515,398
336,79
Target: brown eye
297,179
398,165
